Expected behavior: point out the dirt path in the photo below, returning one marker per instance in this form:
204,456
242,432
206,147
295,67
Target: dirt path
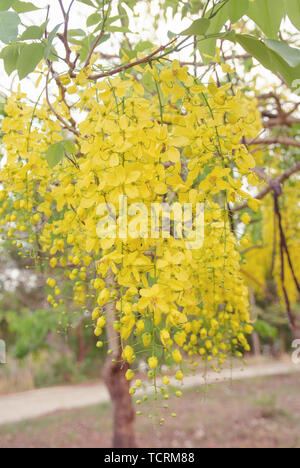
28,405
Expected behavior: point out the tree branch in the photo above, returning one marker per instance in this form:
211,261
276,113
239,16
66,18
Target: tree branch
284,141
133,64
273,184
65,124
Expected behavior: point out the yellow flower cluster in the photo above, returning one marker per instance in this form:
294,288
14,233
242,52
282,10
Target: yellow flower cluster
172,140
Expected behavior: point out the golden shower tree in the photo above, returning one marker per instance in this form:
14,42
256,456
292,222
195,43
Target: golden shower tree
138,128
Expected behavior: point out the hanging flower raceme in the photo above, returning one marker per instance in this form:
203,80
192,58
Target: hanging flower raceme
156,137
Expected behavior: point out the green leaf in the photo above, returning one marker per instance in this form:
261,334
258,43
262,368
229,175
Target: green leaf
289,54
33,32
76,32
9,23
50,40
10,55
197,28
208,46
23,7
69,146
86,44
87,2
267,14
117,29
293,10
237,9
124,16
30,57
256,48
269,58
93,19
55,154
5,4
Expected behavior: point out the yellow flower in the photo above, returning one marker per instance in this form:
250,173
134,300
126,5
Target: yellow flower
177,356
98,331
128,354
165,337
140,325
101,322
146,339
53,262
96,314
165,380
129,374
180,338
153,362
246,218
254,204
103,297
248,329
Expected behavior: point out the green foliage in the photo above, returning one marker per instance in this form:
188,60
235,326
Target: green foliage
9,24
30,56
267,14
212,23
33,32
6,4
23,7
197,28
237,9
268,55
10,55
289,54
57,151
50,40
293,10
265,330
30,330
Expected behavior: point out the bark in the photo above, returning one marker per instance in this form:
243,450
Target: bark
255,337
296,333
118,386
81,348
123,412
256,344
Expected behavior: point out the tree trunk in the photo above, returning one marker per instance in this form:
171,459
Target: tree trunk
118,386
256,344
255,337
296,333
123,412
81,350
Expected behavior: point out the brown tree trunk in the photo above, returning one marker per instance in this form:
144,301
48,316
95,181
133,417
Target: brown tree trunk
123,412
118,386
296,333
256,344
81,350
255,337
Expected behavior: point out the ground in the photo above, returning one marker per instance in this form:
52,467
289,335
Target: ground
258,413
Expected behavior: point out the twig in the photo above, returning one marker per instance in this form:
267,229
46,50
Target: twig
133,64
65,124
282,273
